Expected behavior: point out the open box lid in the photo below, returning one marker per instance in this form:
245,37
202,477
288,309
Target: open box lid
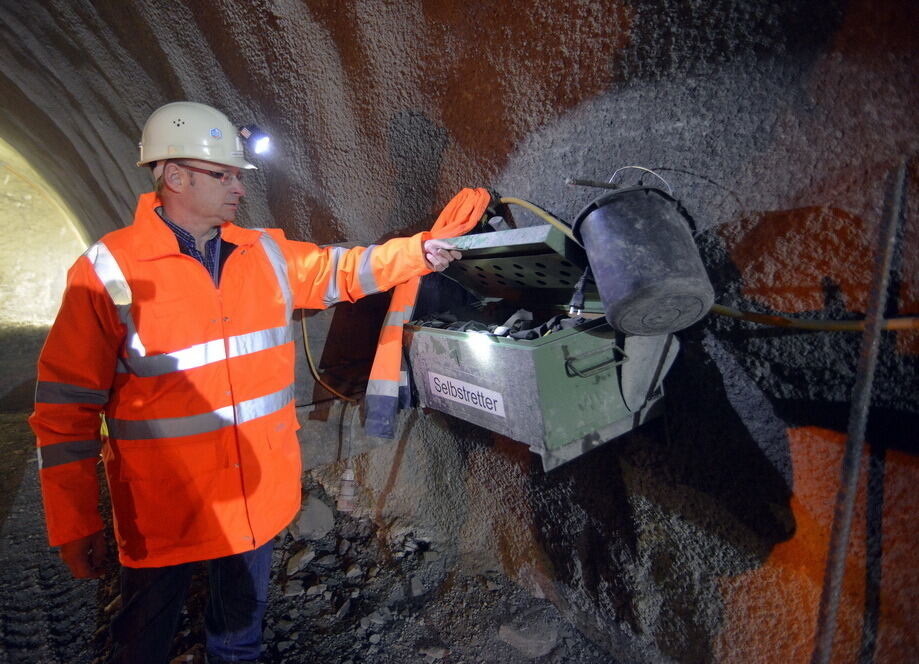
535,264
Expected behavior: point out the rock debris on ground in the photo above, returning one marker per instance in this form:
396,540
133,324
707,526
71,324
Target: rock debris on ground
342,592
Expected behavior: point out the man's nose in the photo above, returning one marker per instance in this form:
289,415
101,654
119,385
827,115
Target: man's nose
237,186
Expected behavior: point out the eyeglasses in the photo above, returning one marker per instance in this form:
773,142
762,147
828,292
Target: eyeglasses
224,177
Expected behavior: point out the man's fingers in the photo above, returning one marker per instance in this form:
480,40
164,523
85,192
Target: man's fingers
441,259
85,557
80,568
99,553
440,254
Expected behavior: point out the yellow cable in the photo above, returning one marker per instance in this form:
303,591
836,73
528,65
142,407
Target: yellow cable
314,371
910,323
560,225
907,323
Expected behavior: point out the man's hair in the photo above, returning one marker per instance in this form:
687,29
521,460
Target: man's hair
159,182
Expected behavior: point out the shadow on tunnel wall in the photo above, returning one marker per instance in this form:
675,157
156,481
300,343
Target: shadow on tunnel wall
721,459
698,464
670,37
416,148
347,337
819,263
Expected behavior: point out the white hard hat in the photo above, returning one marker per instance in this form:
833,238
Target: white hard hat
184,129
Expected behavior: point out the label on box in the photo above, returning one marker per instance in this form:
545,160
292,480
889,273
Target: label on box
466,393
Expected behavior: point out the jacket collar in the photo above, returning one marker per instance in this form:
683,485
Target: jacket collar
155,239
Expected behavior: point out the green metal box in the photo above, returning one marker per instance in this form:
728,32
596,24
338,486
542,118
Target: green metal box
562,394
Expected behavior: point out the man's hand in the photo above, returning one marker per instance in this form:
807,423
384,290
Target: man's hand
85,557
439,254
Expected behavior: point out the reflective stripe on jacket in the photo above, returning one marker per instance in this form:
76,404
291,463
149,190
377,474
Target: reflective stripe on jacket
196,383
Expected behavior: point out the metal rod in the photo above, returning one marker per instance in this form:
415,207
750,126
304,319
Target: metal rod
858,418
590,183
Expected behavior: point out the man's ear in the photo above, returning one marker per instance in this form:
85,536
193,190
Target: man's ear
173,179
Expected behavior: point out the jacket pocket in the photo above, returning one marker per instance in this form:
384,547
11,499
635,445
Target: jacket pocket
283,445
174,460
278,433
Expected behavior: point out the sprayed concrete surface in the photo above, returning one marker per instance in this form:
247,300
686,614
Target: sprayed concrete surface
701,537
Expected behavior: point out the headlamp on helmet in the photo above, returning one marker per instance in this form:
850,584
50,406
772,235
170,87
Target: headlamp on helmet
255,138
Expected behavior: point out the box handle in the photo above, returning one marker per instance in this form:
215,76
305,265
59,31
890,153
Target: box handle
594,369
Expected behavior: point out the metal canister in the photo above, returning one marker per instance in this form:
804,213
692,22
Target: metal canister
643,258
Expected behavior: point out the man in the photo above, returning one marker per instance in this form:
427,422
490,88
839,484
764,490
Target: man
176,329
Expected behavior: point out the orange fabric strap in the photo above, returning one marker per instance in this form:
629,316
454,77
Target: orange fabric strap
388,387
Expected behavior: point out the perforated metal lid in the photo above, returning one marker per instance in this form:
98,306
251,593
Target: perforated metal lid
536,265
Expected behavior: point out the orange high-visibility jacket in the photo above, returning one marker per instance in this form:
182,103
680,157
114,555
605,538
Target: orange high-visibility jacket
196,383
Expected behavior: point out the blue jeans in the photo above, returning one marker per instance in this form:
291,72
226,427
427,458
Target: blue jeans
152,600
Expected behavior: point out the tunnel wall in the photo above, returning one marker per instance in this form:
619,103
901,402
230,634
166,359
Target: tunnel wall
700,537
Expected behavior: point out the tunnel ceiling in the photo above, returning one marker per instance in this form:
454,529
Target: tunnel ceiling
381,111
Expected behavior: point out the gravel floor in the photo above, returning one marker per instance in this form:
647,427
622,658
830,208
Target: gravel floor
341,591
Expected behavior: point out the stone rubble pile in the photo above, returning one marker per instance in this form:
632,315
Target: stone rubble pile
343,592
